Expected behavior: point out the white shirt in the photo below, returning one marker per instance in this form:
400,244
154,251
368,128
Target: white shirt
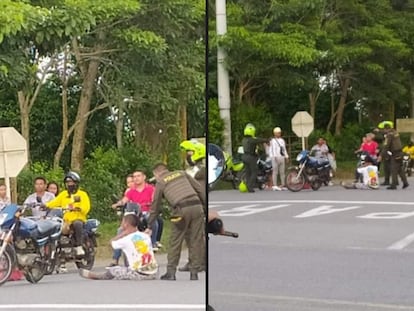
137,247
31,199
320,151
369,175
276,144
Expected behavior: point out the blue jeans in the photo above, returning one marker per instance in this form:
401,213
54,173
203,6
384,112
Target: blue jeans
154,228
117,253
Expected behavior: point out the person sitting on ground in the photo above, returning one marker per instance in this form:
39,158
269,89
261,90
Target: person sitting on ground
137,247
369,173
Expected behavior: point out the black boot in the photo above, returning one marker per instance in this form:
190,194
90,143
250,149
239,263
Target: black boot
193,276
168,276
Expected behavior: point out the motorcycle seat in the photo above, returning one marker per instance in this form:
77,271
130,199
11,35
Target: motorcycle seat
47,227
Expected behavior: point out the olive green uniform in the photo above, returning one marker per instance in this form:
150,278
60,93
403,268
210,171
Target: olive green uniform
186,198
393,147
250,160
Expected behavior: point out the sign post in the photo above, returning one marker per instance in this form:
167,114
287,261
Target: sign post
13,154
302,125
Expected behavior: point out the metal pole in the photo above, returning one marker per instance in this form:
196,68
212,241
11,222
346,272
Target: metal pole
303,143
223,84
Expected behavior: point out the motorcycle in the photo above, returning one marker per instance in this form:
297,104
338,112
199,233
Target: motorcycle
65,248
310,170
132,208
26,243
406,165
227,167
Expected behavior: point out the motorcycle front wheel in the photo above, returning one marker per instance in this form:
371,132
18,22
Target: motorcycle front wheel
50,263
294,182
36,272
6,266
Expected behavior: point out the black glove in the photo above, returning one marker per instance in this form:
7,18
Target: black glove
215,226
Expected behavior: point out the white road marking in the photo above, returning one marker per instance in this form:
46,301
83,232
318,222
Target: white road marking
388,215
313,201
324,210
248,210
107,306
403,243
328,302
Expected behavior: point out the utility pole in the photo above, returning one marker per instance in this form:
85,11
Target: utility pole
223,77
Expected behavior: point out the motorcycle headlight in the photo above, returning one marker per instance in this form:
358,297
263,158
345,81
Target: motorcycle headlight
299,157
3,218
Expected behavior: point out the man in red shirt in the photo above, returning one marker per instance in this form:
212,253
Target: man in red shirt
142,193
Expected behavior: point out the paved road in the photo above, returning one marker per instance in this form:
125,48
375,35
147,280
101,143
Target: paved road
332,249
71,292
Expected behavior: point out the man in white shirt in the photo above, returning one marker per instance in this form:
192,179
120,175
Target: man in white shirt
278,154
40,186
369,173
137,247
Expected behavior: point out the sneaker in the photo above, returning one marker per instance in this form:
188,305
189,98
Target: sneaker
159,245
330,183
112,264
155,249
276,188
79,251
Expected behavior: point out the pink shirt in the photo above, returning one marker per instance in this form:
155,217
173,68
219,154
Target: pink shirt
371,148
143,197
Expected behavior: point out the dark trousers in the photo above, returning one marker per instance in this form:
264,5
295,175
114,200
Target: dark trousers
396,170
250,166
77,226
160,228
387,170
191,226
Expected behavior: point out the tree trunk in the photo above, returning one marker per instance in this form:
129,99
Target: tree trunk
65,115
341,106
24,119
333,112
78,143
313,98
119,126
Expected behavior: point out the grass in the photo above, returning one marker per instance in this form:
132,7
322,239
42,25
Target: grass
108,230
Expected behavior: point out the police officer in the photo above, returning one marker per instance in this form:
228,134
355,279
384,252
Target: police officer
187,199
195,156
249,157
380,133
393,147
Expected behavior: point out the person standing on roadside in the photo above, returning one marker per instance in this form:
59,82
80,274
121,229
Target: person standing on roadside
188,202
4,199
393,147
278,155
250,157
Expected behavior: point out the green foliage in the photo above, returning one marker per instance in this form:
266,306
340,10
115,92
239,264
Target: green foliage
259,115
215,123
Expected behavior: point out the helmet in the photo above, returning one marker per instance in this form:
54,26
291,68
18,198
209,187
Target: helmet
198,149
243,187
277,130
382,124
73,176
249,130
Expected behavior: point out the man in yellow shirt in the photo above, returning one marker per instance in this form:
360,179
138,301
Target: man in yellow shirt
77,204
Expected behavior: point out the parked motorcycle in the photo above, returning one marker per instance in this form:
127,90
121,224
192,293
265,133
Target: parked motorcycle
65,248
26,243
310,170
407,164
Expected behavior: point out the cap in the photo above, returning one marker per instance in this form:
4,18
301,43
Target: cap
277,130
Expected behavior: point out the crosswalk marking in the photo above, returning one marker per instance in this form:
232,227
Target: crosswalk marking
248,210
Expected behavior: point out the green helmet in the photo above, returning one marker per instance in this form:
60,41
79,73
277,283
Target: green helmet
250,130
198,149
382,124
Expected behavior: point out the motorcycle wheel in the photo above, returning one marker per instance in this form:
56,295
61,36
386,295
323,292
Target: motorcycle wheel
35,273
89,259
6,266
293,182
316,185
